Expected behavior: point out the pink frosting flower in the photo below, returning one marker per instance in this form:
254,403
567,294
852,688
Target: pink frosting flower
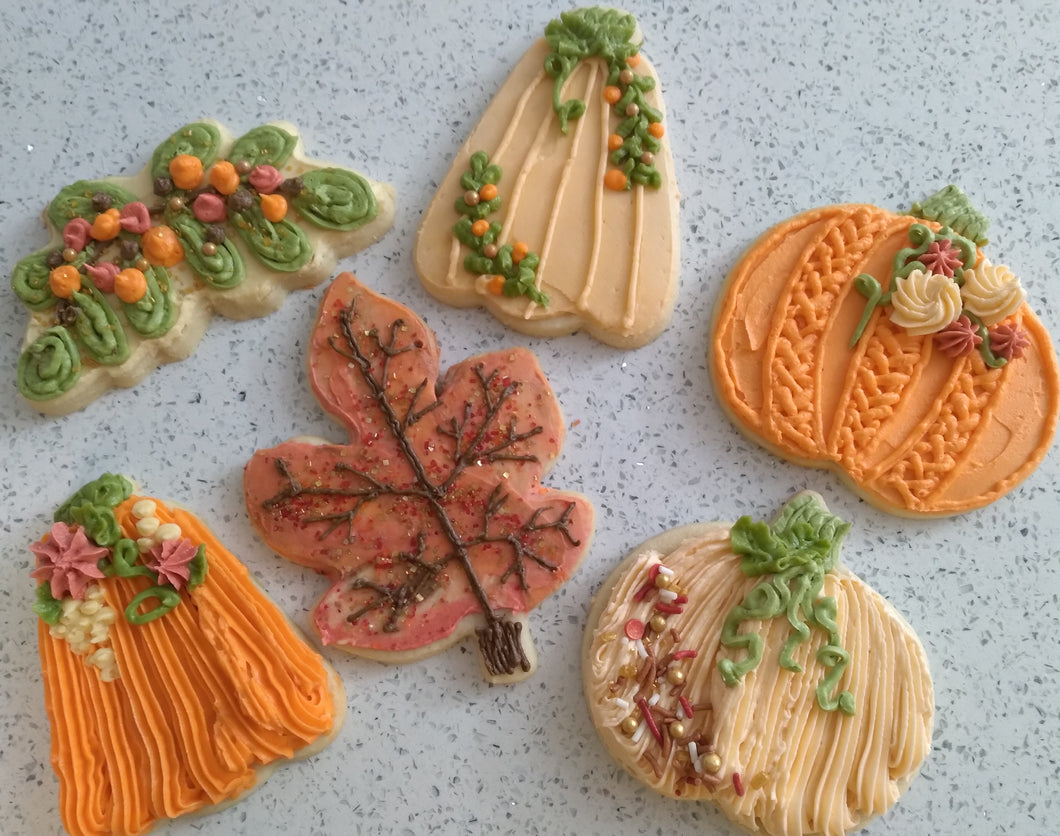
265,178
68,560
75,233
135,217
171,559
103,275
1009,341
941,258
959,338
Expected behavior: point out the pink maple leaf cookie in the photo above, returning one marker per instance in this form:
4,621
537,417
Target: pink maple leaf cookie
431,519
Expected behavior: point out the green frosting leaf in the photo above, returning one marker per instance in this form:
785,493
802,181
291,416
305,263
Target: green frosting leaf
264,145
281,245
155,314
199,139
198,567
796,552
951,207
334,198
97,328
75,201
46,606
49,366
29,280
223,269
109,491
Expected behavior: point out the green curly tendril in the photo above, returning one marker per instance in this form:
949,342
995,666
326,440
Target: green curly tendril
796,552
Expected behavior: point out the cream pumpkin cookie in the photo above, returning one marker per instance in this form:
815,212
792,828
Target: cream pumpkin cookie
742,664
137,266
430,519
172,684
560,212
889,348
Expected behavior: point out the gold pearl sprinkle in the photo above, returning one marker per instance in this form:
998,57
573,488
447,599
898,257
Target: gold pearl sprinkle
677,729
658,623
629,725
712,763
675,676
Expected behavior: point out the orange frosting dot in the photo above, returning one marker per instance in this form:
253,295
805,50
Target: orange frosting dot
656,129
106,226
274,206
614,142
480,227
633,60
160,245
495,285
130,285
519,251
64,281
185,171
224,177
615,180
487,192
612,94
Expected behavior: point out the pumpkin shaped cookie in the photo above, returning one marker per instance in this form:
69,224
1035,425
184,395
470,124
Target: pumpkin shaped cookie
744,665
889,348
560,212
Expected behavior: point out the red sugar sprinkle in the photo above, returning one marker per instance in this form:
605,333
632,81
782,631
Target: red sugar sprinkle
686,705
653,572
645,710
635,629
737,784
685,654
681,599
669,609
640,594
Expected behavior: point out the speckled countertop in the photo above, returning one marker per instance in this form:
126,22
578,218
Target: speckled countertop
772,108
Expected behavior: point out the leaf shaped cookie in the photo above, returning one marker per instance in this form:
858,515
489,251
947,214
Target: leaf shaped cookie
431,520
889,348
172,684
743,664
136,266
560,212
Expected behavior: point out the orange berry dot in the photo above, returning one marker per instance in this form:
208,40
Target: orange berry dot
186,171
106,226
274,206
615,180
130,285
480,227
487,192
612,94
614,142
656,129
160,245
495,285
633,60
224,177
64,281
519,251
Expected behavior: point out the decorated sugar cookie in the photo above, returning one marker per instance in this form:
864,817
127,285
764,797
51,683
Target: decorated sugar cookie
430,519
172,683
136,266
744,665
560,212
891,349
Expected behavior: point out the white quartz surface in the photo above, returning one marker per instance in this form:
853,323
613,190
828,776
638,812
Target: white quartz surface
772,108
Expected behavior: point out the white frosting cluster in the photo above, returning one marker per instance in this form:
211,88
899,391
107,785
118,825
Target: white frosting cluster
924,303
151,530
992,292
85,625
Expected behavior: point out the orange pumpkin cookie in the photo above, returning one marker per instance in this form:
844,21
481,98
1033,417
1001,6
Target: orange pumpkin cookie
172,684
889,348
560,213
744,665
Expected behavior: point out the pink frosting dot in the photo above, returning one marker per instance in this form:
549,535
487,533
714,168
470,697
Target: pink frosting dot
209,208
265,178
103,275
76,233
135,217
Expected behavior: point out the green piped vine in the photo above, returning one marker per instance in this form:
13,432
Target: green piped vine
796,552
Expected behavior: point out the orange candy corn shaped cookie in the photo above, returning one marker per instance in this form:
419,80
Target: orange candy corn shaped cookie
431,519
744,665
890,349
560,212
172,683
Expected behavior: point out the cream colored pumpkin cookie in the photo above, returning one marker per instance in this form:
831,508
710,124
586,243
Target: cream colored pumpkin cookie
743,664
560,212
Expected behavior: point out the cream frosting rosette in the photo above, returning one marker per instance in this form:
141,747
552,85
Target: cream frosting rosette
925,303
991,292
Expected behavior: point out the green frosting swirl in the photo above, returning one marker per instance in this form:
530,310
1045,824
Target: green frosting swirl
75,201
98,521
951,207
97,328
49,366
199,139
281,246
29,280
168,600
796,552
264,145
334,198
109,491
223,269
156,312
